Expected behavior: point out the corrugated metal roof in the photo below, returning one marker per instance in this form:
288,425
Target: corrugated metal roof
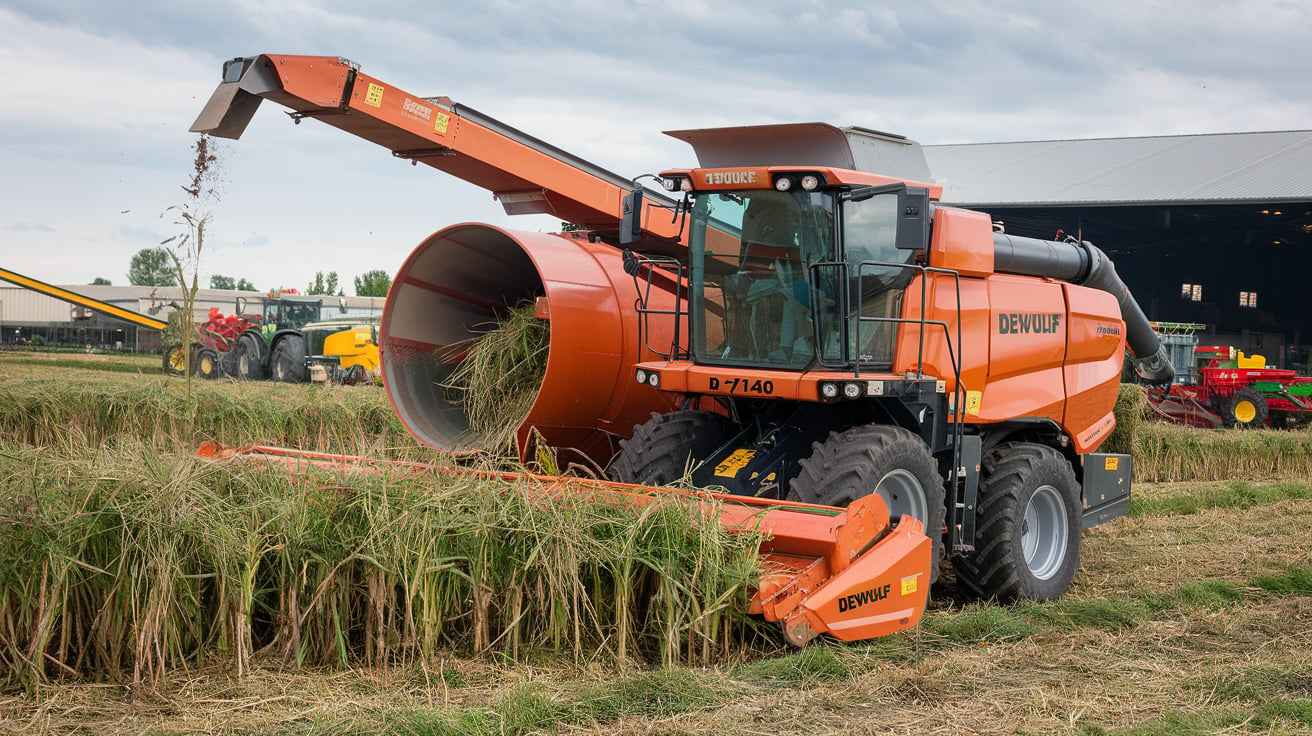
1215,169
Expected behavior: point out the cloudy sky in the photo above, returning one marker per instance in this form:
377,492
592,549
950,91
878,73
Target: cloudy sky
99,94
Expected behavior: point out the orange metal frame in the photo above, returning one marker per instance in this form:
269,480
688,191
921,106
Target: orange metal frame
526,174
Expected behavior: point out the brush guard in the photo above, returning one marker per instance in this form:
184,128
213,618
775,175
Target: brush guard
843,572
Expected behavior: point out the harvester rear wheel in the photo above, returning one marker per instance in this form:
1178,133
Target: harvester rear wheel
1247,409
175,360
888,461
1027,534
207,364
288,360
668,446
246,364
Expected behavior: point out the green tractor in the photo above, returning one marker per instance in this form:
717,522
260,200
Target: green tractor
273,346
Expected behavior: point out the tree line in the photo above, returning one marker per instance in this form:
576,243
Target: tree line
153,267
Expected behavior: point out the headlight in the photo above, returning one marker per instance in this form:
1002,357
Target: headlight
810,182
783,183
654,379
642,376
852,390
670,184
829,390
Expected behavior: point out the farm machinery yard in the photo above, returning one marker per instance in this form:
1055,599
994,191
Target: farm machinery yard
889,389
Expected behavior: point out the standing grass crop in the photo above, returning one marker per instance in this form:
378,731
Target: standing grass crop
125,564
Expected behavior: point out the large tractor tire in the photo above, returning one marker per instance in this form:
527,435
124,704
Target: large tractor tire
245,360
668,446
206,364
175,360
888,461
1028,525
1247,409
288,360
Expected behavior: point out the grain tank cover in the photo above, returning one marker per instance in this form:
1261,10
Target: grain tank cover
808,144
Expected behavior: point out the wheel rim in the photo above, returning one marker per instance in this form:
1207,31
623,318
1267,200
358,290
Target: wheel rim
1245,411
206,365
1043,537
903,494
176,361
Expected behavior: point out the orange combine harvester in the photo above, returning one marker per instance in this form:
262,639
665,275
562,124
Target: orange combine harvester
879,382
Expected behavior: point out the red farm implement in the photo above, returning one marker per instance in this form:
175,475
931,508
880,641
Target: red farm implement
1220,386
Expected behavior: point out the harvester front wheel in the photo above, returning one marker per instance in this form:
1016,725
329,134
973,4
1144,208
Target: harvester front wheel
175,360
1028,524
1247,409
668,446
288,360
888,461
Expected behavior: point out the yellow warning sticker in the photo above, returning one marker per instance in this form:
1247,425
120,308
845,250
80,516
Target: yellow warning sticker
735,462
1111,463
440,121
973,401
909,584
375,95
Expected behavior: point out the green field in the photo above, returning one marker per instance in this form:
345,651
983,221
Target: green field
1191,615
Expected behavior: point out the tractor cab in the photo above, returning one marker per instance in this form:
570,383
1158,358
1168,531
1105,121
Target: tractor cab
282,311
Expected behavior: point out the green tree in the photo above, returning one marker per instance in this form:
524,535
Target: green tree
373,283
152,267
101,281
244,285
219,281
324,285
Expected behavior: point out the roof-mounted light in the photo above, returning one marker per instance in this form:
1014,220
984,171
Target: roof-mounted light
810,182
783,183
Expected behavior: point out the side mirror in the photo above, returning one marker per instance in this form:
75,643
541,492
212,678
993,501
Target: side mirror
913,212
241,305
341,304
913,219
631,222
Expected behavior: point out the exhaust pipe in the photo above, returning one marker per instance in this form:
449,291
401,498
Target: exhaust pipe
1084,264
464,278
